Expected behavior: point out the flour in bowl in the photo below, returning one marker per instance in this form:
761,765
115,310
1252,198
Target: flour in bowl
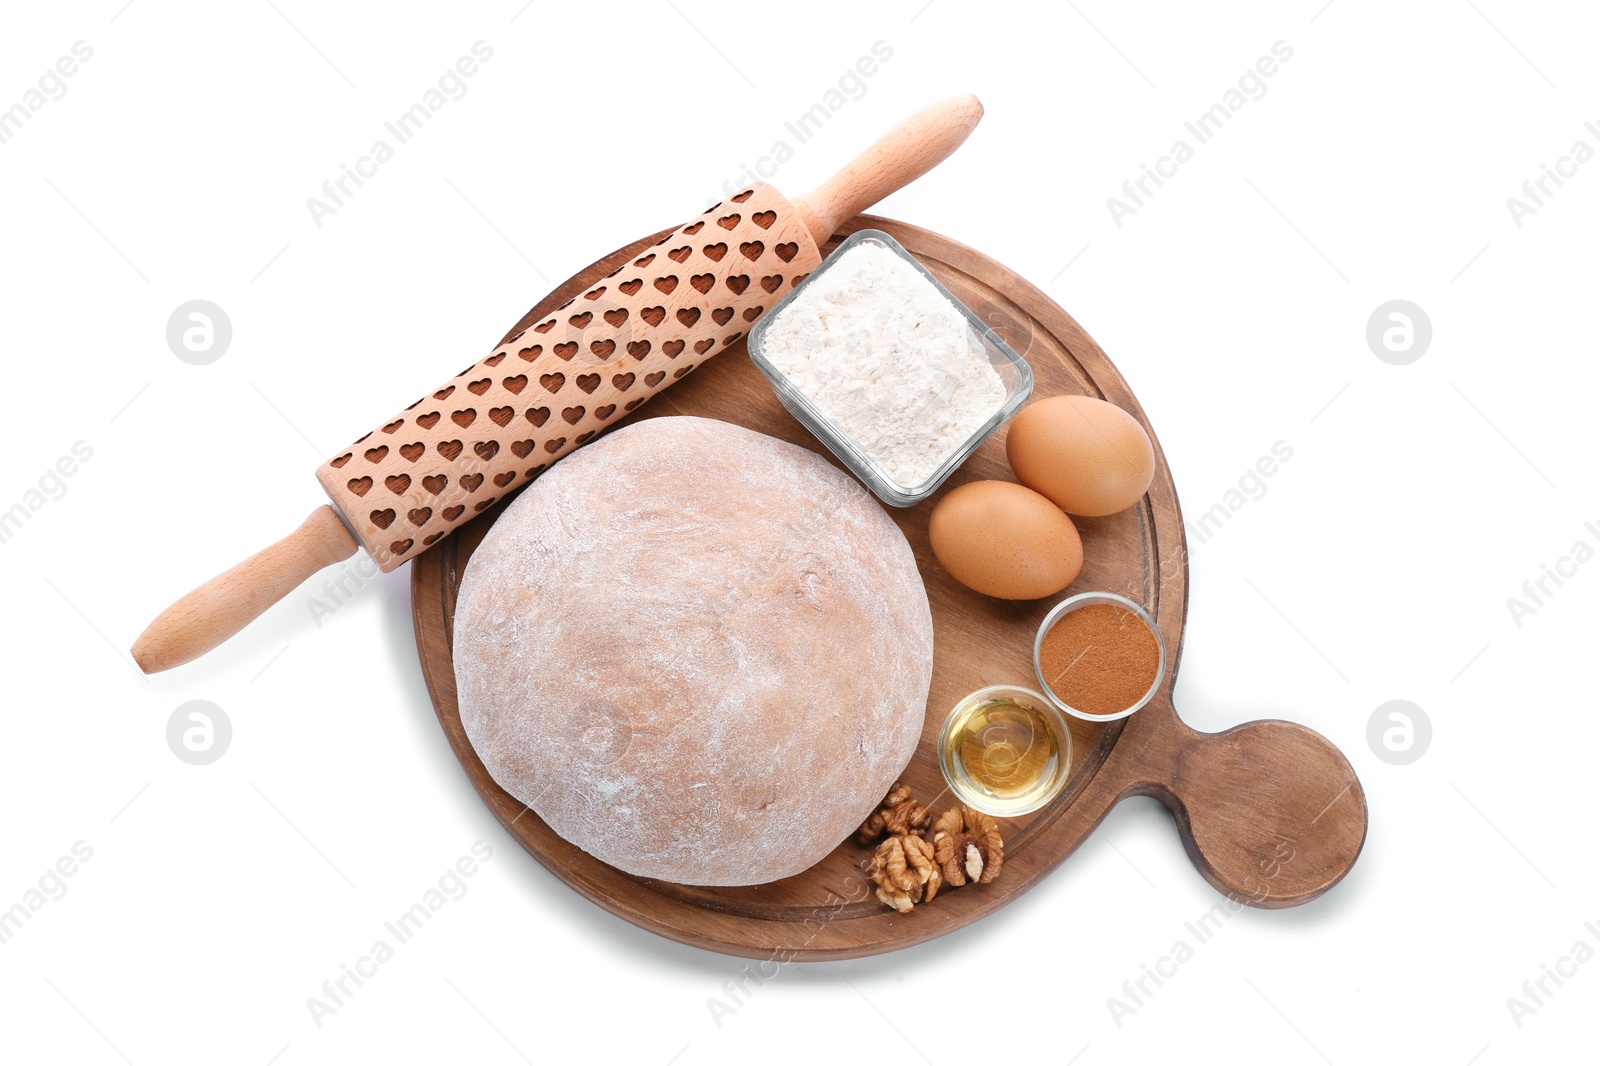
883,355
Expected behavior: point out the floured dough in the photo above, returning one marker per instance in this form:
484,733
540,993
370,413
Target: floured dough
698,653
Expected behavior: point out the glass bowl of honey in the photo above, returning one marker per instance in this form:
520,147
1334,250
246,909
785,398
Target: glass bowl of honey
1005,751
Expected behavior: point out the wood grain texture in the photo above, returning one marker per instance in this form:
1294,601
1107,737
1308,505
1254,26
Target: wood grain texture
1270,812
219,608
893,161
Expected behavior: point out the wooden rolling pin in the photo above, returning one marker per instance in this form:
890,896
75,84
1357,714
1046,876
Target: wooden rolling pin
401,488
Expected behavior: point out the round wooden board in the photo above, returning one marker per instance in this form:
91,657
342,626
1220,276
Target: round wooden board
1270,812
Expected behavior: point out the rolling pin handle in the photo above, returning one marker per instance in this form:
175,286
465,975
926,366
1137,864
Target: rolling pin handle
894,160
230,601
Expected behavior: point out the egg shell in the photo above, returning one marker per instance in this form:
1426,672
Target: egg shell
1089,456
1004,540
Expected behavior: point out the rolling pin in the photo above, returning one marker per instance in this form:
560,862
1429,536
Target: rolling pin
555,386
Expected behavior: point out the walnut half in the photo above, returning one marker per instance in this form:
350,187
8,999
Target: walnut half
905,871
968,847
897,815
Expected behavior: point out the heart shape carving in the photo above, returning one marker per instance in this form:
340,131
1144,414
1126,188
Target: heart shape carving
359,485
528,355
581,321
787,251
729,221
667,284
638,349
715,252
412,452
398,483
588,382
501,416
622,382
521,448
616,316
603,413
516,384
470,482
435,483
722,315
632,287
672,350
420,516
688,315
384,518
450,449
702,282
504,478
573,415
486,450
771,282
653,315
538,416
752,249
603,349
553,446
376,455
738,283
428,421
478,388
566,349
678,255
652,380
552,382
453,513
764,219
464,418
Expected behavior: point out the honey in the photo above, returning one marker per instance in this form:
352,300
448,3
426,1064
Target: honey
1005,751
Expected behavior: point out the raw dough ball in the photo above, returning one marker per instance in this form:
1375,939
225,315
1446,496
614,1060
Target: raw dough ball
698,653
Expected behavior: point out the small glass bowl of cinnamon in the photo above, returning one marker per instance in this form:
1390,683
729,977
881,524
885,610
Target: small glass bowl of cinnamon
1099,656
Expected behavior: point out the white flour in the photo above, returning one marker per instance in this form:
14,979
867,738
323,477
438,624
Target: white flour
888,360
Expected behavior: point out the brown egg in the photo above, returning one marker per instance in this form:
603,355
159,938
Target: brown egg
1089,456
1004,540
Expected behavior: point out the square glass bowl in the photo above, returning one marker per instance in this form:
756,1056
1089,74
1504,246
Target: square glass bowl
1015,375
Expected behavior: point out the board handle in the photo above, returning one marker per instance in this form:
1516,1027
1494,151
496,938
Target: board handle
894,160
230,601
1270,812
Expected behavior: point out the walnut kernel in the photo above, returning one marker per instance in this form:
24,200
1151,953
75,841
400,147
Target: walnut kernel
968,847
897,815
905,871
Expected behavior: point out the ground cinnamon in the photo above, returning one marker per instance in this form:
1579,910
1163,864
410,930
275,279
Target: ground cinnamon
1099,659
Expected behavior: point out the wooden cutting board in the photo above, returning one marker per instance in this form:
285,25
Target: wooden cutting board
1270,812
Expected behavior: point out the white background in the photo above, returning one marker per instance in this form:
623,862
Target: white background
1377,566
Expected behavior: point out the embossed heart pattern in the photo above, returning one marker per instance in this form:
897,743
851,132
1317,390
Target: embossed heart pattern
563,377
453,453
